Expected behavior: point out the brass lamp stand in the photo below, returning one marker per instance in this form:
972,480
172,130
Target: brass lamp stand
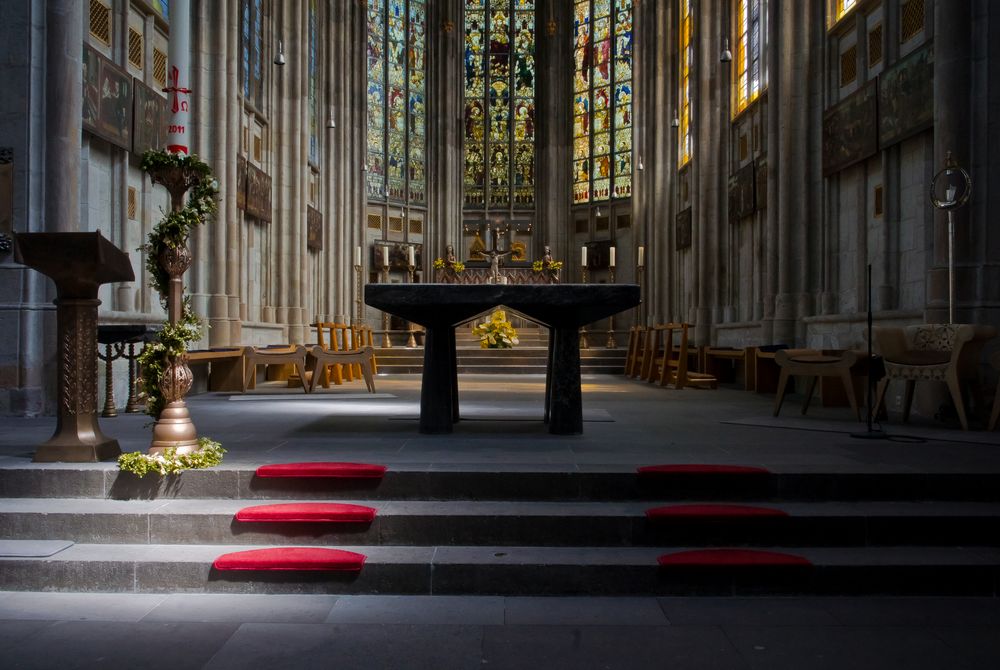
386,342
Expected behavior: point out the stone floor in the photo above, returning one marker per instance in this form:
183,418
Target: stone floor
626,423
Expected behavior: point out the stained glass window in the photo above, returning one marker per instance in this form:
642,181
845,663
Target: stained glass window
396,100
251,51
750,75
842,7
685,150
602,100
499,103
313,76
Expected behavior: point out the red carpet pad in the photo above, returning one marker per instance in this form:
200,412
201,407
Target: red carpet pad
308,512
291,558
729,558
351,470
711,511
700,469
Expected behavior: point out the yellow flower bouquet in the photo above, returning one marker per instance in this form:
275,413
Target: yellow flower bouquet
497,333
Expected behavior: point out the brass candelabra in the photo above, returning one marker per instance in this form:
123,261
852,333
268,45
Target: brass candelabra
357,295
412,341
584,342
611,343
386,342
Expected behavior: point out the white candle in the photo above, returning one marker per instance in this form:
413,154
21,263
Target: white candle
411,255
611,257
583,256
357,255
642,256
385,257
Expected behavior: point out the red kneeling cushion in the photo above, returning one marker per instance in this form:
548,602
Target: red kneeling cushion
359,470
711,511
291,558
729,557
700,469
307,512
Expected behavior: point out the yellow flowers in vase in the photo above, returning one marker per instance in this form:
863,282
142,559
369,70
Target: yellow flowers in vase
497,333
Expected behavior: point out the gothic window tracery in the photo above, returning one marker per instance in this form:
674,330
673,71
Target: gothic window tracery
602,100
751,74
685,148
395,161
499,68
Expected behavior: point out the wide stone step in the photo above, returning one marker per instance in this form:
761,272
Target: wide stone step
501,570
609,483
415,523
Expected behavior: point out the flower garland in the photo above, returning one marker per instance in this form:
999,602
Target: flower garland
172,232
497,333
169,462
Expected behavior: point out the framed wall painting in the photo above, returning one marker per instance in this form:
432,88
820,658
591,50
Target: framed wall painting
91,89
850,130
149,129
742,191
258,193
906,97
682,230
114,121
314,229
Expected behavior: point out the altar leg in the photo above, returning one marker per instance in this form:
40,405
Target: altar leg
436,402
565,397
548,373
454,375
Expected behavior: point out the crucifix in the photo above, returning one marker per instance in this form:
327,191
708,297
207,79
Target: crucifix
495,254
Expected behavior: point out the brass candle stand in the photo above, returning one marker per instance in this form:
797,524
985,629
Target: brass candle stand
386,342
641,271
357,294
112,351
412,341
584,342
611,343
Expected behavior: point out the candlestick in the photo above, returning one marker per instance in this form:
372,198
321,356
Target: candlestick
583,259
411,257
584,342
611,343
357,256
611,257
386,342
642,257
357,292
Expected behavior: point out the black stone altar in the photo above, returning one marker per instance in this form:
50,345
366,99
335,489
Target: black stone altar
563,308
78,263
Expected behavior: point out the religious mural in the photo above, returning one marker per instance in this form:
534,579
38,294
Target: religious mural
906,97
150,119
107,99
850,130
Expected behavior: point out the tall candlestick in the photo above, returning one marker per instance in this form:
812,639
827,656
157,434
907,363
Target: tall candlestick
642,257
611,257
357,255
583,256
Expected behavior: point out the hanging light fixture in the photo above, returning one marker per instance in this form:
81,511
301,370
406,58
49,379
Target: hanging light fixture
279,58
726,56
331,122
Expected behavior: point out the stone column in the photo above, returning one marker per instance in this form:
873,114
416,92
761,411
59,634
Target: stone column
796,38
553,112
445,134
63,111
953,104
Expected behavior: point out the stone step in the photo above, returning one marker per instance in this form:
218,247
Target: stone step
415,523
501,570
472,359
463,482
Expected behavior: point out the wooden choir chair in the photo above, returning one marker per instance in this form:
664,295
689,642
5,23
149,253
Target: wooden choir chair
254,356
342,352
671,366
636,345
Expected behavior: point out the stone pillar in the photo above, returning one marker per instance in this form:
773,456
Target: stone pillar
654,199
445,87
63,111
953,104
796,38
553,95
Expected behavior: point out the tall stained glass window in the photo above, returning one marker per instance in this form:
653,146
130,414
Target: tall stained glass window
251,51
313,77
750,74
396,100
602,100
842,7
500,103
685,149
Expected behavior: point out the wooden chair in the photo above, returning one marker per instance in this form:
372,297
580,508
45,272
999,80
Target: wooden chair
636,345
351,341
672,366
324,359
254,356
943,352
815,364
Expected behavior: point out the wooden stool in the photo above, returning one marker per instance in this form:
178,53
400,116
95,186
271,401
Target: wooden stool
815,364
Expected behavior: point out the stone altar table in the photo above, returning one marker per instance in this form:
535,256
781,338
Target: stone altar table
563,308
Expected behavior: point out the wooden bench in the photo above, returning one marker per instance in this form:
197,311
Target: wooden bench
674,365
723,362
225,367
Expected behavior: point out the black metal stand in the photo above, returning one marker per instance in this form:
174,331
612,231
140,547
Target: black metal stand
870,433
